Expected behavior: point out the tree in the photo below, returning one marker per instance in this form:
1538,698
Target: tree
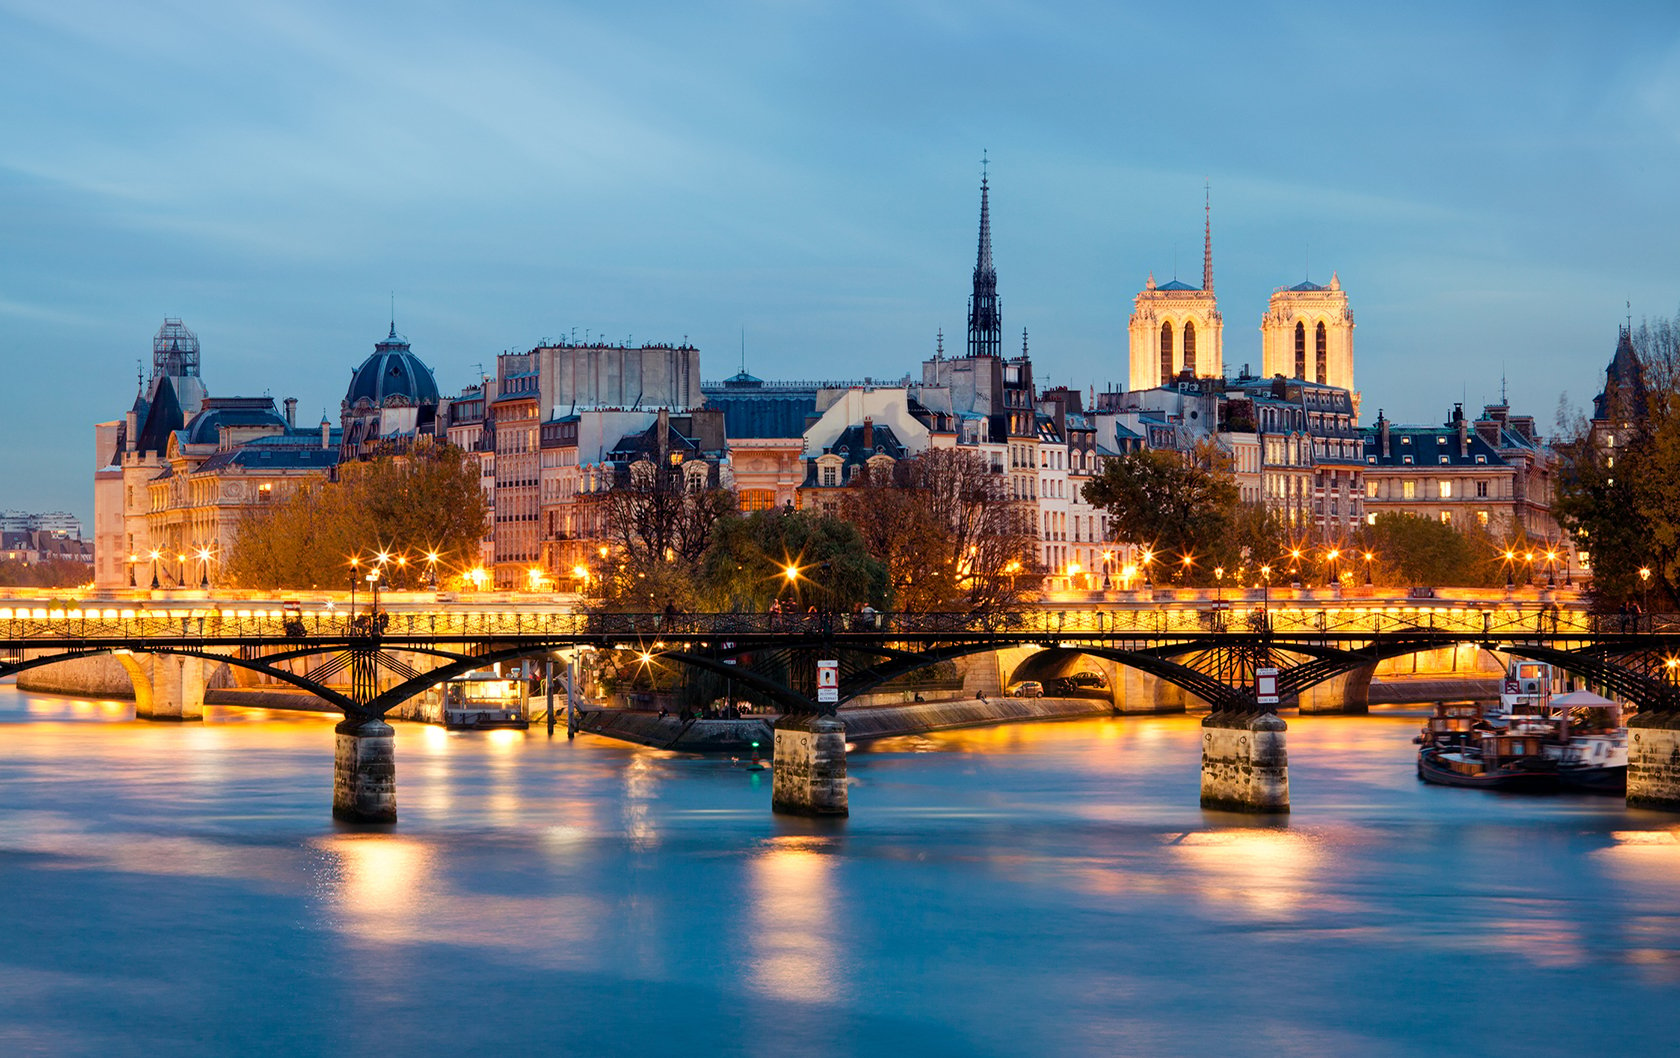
655,515
426,499
1618,490
947,532
1170,502
746,566
1410,551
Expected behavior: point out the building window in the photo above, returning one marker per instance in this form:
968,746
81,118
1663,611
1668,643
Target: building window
1300,350
1482,517
1323,355
1371,489
1190,347
830,476
265,492
1166,352
1481,489
1408,490
1446,517
1446,490
1370,519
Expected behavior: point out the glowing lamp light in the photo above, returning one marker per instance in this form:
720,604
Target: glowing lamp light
791,573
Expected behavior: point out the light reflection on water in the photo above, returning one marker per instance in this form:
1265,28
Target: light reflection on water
1033,889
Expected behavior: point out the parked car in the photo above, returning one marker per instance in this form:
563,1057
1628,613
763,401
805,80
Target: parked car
1027,689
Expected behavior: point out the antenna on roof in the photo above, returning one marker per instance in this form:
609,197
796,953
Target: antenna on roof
743,350
938,349
393,312
1502,399
1630,315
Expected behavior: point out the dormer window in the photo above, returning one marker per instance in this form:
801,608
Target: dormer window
1405,440
1406,460
1440,440
1481,459
1445,460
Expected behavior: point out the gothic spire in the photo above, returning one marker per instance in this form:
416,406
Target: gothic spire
1207,238
985,323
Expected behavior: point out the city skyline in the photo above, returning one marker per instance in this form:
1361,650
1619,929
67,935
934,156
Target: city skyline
1491,196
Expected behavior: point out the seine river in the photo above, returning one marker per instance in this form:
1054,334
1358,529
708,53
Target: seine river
1028,890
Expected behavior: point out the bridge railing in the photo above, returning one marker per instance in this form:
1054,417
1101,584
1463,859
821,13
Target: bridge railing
1493,621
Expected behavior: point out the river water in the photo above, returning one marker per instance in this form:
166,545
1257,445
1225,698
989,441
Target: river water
1028,890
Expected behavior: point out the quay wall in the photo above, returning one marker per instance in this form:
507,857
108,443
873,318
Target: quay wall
862,725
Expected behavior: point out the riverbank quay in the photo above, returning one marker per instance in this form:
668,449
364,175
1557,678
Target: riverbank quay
863,724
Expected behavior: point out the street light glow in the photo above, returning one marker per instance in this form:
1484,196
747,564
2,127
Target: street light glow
791,572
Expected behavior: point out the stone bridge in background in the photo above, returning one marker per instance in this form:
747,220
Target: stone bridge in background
1212,652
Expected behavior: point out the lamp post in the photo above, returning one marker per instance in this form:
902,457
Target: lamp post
132,559
1331,556
1265,589
355,575
1510,569
373,614
204,568
1108,556
431,569
1368,580
1187,562
1551,573
156,554
1645,588
1148,557
1219,585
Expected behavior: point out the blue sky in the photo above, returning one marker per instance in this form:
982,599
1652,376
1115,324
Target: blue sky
1491,181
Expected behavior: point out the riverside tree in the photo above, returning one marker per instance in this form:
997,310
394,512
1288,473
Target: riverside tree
1174,503
949,536
425,499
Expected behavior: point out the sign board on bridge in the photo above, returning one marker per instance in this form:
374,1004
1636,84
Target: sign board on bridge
828,682
1265,686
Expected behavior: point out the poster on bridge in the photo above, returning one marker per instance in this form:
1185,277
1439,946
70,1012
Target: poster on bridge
1265,686
828,682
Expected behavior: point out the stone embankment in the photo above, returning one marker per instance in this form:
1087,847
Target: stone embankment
862,725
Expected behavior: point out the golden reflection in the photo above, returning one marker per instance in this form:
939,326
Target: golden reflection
1267,872
379,882
1646,857
640,783
795,939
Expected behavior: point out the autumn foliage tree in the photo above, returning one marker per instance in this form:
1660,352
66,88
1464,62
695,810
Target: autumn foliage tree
1171,502
426,498
948,534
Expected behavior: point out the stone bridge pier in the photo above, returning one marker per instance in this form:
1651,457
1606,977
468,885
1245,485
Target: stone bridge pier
1245,765
365,771
809,762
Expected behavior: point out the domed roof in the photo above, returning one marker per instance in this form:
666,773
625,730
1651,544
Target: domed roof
392,372
255,412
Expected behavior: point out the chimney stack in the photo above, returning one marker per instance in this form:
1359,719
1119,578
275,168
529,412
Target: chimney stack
868,434
291,413
326,433
1382,436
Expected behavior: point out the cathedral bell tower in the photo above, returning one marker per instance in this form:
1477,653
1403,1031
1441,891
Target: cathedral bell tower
1176,328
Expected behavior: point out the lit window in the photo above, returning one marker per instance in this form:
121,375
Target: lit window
1370,519
1482,517
1446,517
1408,490
1446,490
1371,489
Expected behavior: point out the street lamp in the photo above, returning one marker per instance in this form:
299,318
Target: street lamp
1331,557
1108,556
1551,573
1645,585
1187,562
1148,557
1510,569
1265,589
156,554
204,568
1368,557
373,584
431,569
1219,585
355,575
132,559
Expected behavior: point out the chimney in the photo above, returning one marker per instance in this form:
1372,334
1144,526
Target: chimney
1463,432
664,427
868,434
291,413
326,433
1382,436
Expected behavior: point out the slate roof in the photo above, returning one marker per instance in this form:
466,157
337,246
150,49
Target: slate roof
1178,285
1428,446
392,370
